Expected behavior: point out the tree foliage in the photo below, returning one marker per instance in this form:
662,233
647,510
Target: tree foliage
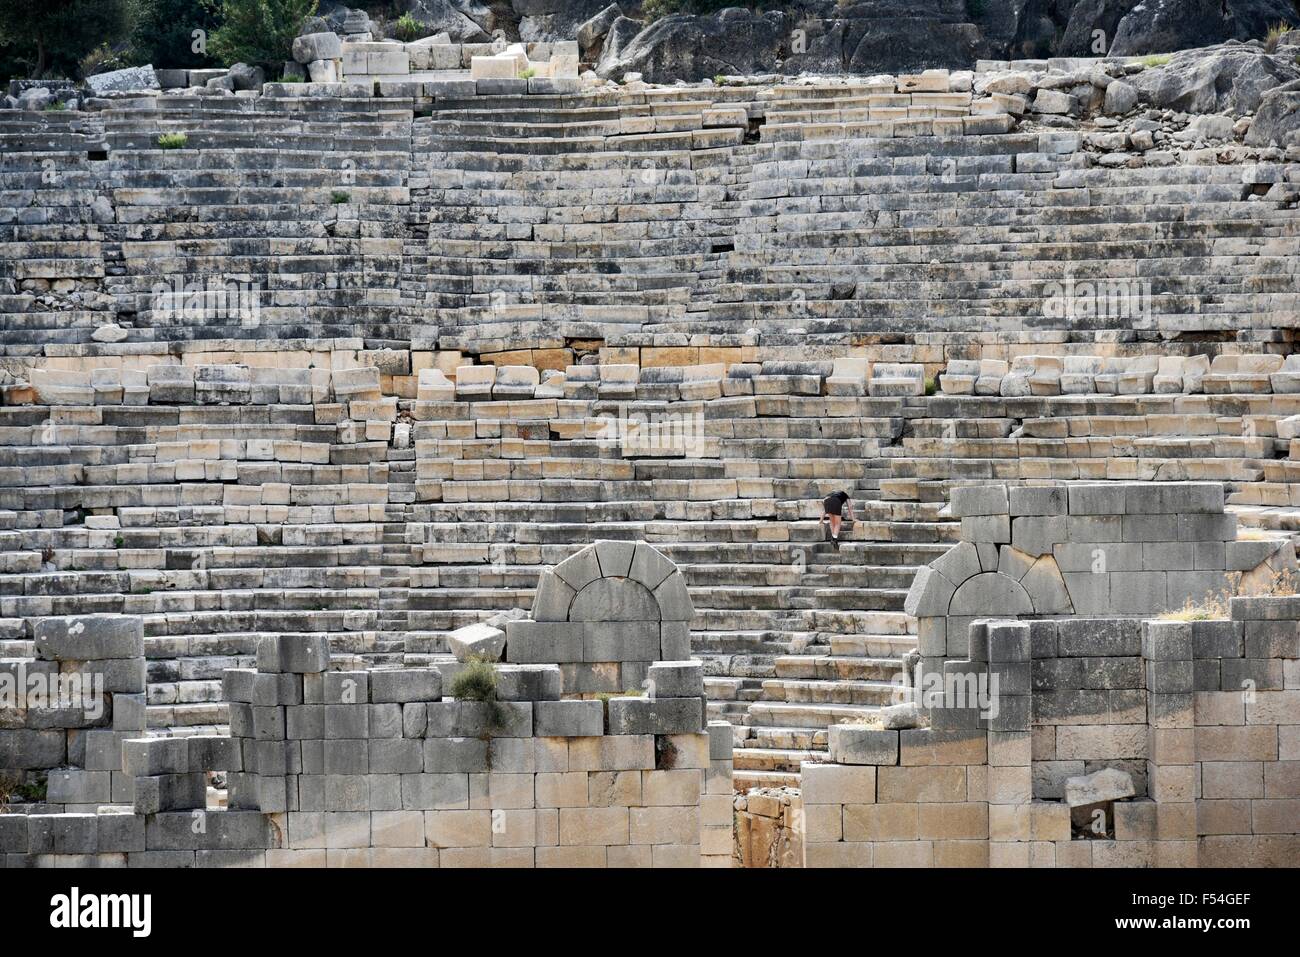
258,31
163,33
49,37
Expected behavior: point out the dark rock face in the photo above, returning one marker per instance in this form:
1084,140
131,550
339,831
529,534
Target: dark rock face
621,33
681,47
1278,121
1133,28
443,15
549,20
1230,77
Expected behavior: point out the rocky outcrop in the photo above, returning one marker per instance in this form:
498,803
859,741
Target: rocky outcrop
621,33
1278,121
1133,28
733,41
464,22
550,20
1233,77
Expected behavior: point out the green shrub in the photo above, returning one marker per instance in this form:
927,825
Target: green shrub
172,141
55,106
258,32
406,28
1155,59
338,197
102,59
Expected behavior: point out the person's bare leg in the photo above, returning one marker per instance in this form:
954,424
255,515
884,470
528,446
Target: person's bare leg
835,527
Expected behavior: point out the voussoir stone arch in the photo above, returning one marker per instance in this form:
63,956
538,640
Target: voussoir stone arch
605,614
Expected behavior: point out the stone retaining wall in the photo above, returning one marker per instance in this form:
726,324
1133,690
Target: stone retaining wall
1200,721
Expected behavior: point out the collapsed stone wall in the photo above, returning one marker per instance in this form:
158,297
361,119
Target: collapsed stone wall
1082,736
1089,550
327,767
1114,743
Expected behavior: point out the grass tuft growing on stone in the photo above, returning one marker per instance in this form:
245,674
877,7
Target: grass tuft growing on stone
172,141
477,681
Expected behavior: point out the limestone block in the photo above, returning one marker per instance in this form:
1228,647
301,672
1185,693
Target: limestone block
568,719
1016,382
1169,375
1287,378
649,566
515,381
614,558
402,685
614,600
930,594
317,46
858,745
89,637
222,383
990,594
477,641
991,374
475,382
361,383
639,716
674,599
896,379
958,563
579,569
1046,588
676,679
553,598
960,377
432,385
1078,375
848,376
1137,376
56,387
1045,375
975,500
544,642
1037,535
1107,784
1241,373
1037,500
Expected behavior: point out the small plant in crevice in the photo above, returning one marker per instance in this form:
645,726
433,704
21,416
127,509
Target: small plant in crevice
406,28
1274,36
527,74
172,141
338,197
477,681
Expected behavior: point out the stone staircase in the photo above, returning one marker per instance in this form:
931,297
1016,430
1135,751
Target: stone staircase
769,228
